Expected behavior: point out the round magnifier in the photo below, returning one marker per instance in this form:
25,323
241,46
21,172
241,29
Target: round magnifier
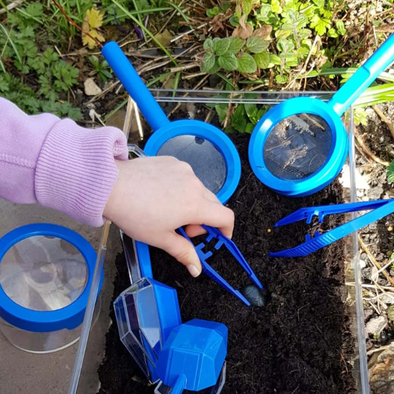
208,150
300,153
300,145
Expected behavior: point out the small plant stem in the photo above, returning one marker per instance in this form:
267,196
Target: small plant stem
10,6
368,151
373,260
383,117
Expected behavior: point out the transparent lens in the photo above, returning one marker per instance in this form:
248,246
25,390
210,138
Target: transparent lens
43,273
206,160
297,146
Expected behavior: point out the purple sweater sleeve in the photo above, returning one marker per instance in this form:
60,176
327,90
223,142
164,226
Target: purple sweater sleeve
57,163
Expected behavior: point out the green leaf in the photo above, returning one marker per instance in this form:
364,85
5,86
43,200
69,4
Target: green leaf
236,45
247,6
209,61
285,46
264,11
262,60
4,85
303,33
212,12
234,21
390,172
249,128
308,9
215,68
318,3
303,51
340,27
275,5
332,33
208,44
281,79
246,64
34,10
282,34
221,110
326,14
28,31
252,111
238,119
263,110
257,44
228,62
291,61
360,116
50,56
221,46
320,24
274,60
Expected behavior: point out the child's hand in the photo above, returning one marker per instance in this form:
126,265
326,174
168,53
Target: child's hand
155,195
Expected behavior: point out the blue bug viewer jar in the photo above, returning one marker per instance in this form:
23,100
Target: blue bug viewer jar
46,272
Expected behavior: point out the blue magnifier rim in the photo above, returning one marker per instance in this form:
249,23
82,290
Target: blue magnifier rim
210,133
326,173
68,317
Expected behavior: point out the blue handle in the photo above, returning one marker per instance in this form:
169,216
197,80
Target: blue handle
320,241
324,210
134,85
363,77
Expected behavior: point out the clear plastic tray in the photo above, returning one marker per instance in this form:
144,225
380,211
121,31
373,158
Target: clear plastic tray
61,363
171,100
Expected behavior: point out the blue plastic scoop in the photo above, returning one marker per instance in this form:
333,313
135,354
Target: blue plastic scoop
208,150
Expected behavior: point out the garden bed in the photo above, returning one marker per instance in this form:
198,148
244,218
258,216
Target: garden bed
300,342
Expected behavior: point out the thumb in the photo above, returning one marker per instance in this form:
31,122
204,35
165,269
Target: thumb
180,248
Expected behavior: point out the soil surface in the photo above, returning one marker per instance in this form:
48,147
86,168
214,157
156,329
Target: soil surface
379,239
299,342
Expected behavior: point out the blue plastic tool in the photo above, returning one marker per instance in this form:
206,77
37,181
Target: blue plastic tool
299,146
173,355
214,233
380,209
207,149
144,266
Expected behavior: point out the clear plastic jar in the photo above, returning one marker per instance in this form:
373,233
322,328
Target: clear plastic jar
45,278
44,342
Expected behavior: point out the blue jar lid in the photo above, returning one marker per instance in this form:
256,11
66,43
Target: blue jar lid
68,317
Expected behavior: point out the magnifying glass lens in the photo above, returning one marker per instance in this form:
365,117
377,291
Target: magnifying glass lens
297,146
43,273
206,160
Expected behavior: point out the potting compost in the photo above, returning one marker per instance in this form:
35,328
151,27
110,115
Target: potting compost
300,342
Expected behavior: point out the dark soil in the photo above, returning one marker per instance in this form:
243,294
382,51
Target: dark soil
379,236
299,342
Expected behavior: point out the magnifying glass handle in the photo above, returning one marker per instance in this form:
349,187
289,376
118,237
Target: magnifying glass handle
134,85
363,77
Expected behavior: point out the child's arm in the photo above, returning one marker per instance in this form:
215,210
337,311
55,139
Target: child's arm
85,174
57,163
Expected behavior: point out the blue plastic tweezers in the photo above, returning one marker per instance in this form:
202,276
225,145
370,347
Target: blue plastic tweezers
380,209
214,233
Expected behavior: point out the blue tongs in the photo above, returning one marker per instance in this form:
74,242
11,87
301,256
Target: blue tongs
380,209
214,233
144,263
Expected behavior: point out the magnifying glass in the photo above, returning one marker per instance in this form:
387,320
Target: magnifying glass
208,150
299,146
